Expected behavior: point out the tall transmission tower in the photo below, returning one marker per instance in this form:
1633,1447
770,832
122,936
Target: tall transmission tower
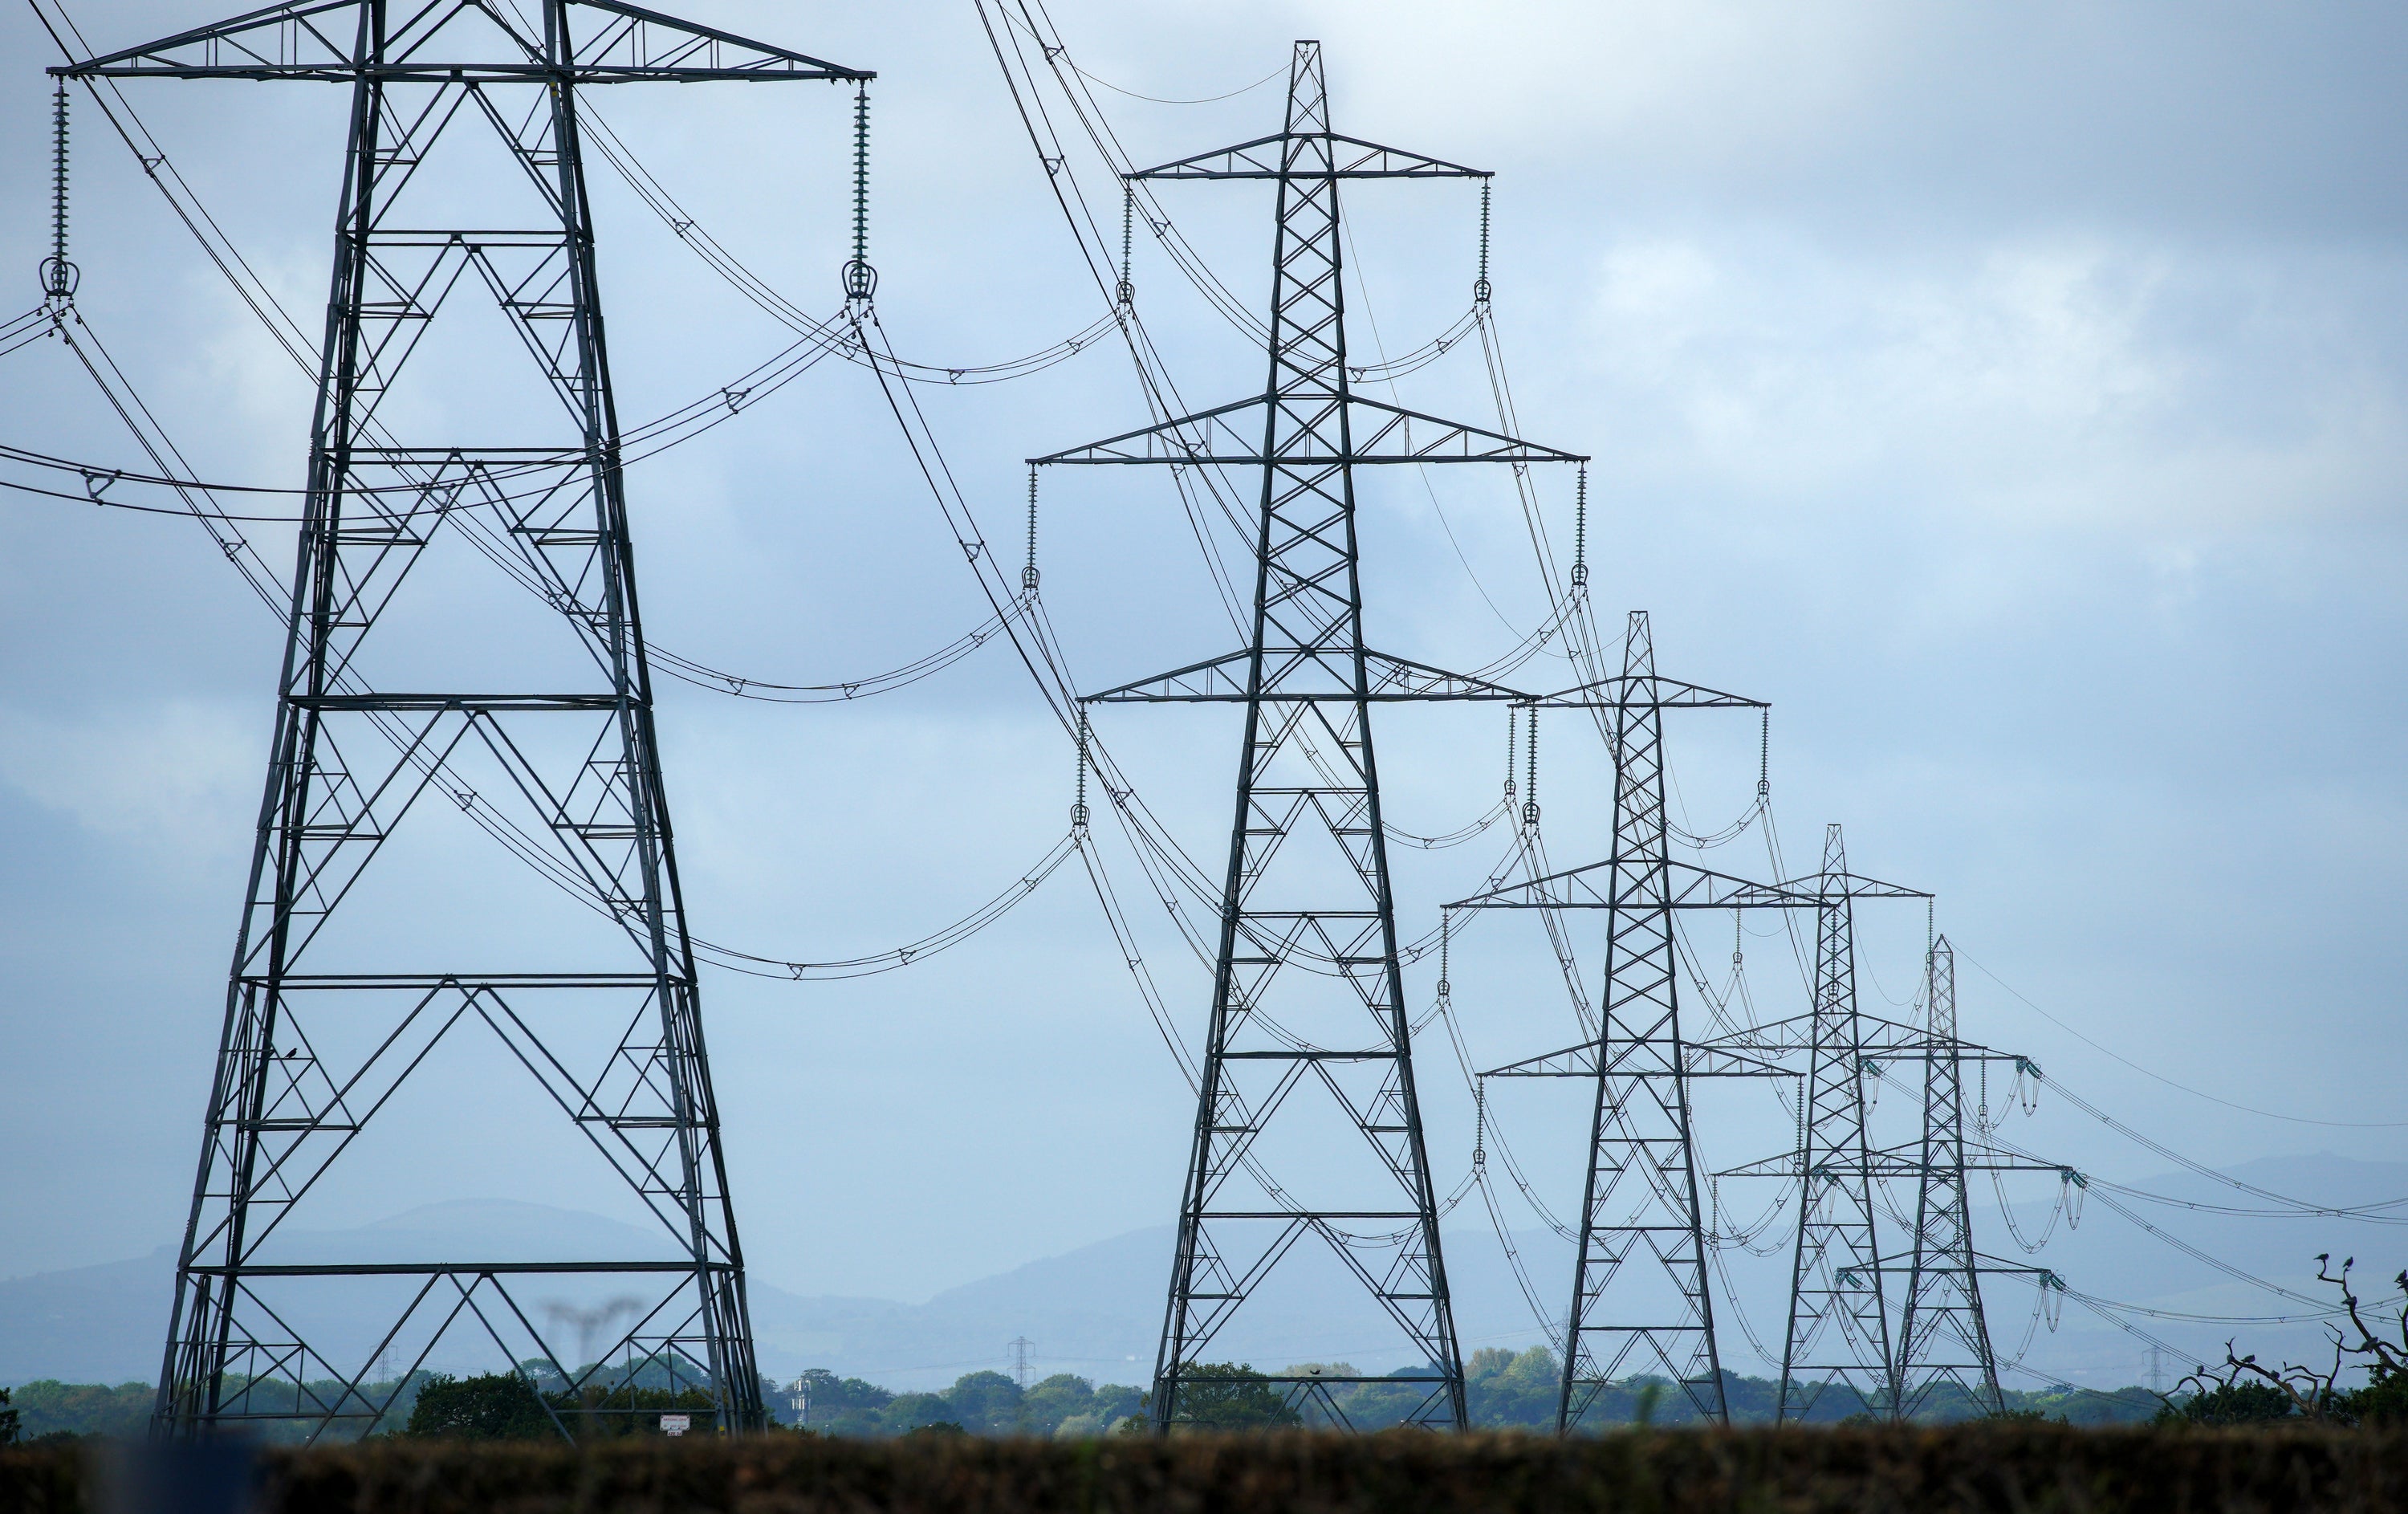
1307,991
1838,1324
344,982
1942,1334
1639,1201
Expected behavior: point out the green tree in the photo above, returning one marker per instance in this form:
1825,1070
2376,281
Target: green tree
600,1411
1504,1389
494,1405
2235,1403
1237,1397
910,1411
1055,1402
985,1403
7,1420
50,1407
842,1405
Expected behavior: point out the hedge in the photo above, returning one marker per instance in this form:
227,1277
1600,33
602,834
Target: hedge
2020,1468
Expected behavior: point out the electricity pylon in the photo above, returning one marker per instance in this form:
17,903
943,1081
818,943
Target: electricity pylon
1639,1197
1942,1334
330,1009
1307,986
1838,1324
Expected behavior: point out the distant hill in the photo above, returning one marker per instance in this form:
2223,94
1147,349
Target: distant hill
1097,1310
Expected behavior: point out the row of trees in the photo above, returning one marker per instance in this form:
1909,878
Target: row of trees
981,1403
1505,1390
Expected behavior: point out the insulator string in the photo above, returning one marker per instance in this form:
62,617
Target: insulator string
1580,530
860,279
1479,285
1530,780
1029,575
58,274
1127,291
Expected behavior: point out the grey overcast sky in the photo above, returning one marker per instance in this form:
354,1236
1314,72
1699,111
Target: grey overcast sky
2014,395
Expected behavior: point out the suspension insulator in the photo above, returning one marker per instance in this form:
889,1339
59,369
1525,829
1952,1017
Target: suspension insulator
860,280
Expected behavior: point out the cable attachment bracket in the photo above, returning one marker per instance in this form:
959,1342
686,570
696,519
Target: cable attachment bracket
58,275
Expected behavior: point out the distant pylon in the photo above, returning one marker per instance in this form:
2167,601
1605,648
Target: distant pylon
1307,990
1944,1336
1639,1199
539,734
1838,1327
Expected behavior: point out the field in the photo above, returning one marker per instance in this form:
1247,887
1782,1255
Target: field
2022,1468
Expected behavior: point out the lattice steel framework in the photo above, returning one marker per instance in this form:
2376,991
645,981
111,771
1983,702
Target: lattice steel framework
1307,986
1942,1334
330,1011
1838,1325
1639,1199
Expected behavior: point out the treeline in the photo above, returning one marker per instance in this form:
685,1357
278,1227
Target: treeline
979,1403
1504,1390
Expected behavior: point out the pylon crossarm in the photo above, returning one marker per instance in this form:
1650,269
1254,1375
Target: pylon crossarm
1442,440
1834,887
1987,1265
1781,1164
1647,692
1718,1059
1907,1159
1379,433
1725,1061
1400,678
1187,439
1572,1062
1270,157
1687,887
1222,680
323,41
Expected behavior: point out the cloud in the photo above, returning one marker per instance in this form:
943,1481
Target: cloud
176,777
2033,382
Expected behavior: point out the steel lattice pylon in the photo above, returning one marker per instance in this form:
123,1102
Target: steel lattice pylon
325,1018
1942,1335
1639,1199
1640,1195
1837,1326
1307,986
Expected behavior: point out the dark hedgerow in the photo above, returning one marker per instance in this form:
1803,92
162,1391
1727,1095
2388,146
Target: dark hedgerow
1983,1468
